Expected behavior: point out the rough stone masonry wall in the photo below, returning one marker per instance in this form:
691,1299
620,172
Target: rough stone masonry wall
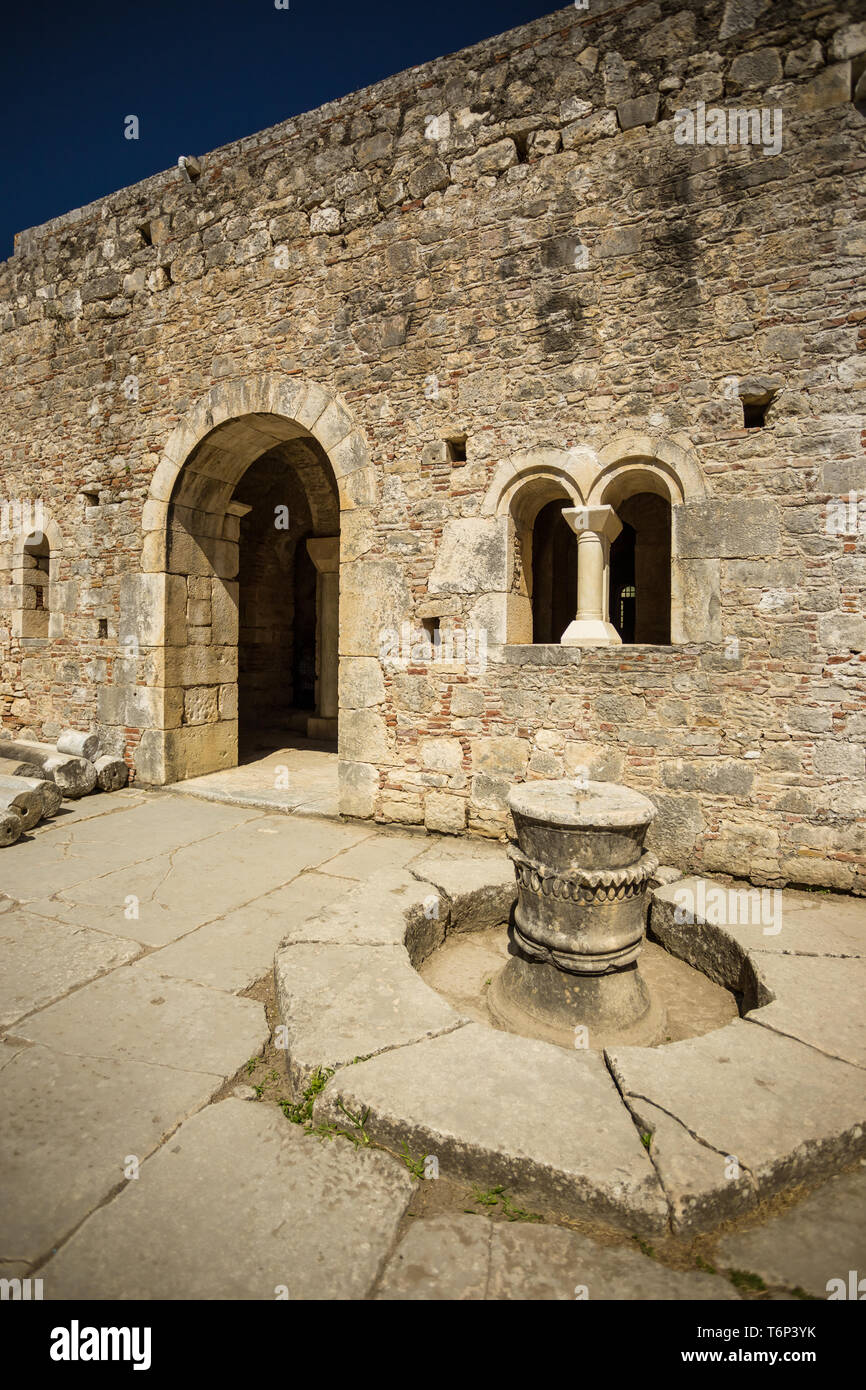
431,275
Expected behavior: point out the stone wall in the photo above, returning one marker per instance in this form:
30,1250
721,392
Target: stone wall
506,252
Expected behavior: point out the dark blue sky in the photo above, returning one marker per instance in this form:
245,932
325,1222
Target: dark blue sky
197,73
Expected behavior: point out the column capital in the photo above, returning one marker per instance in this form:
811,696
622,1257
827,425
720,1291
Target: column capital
324,551
602,520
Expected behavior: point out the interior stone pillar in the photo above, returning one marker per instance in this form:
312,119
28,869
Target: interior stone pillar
325,555
595,528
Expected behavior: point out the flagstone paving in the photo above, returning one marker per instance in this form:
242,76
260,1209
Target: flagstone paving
132,929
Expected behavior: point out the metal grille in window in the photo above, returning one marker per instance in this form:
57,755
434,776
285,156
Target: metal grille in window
628,591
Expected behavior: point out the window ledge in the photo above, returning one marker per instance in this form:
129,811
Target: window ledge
552,654
542,654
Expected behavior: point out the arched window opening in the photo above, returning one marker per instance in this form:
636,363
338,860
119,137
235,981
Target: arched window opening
640,570
35,575
554,573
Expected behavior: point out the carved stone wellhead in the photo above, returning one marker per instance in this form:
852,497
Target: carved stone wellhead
582,876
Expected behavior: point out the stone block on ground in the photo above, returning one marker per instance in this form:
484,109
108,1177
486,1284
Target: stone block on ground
819,1239
11,827
342,1002
783,1111
23,801
74,776
496,1108
138,1014
67,1124
240,1205
477,880
470,1257
49,792
42,960
111,773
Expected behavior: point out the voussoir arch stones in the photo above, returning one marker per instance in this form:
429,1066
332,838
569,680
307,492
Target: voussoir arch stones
735,1116
246,417
657,464
660,464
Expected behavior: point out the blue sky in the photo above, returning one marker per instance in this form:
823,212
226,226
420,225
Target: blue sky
196,75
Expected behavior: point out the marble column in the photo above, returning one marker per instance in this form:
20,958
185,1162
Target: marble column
325,555
595,528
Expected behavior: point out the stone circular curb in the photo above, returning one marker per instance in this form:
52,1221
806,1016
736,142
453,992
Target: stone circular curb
681,1136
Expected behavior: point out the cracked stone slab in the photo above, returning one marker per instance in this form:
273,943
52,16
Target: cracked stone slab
343,1002
478,881
196,883
473,1258
238,949
731,951
90,807
377,854
41,960
67,1128
832,912
391,908
138,1014
71,854
785,1112
8,1051
819,1239
497,1108
703,1186
818,999
239,1204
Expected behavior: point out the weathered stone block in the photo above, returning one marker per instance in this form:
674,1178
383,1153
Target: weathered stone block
362,683
445,812
839,759
726,528
363,737
720,779
676,828
490,159
201,705
842,632
504,755
590,128
637,111
442,754
359,786
848,42
472,557
760,68
827,89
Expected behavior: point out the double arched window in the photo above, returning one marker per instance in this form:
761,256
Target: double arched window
593,542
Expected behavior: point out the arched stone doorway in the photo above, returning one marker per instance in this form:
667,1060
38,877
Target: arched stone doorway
250,492
253,494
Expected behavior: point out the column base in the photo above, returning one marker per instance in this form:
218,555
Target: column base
537,1000
590,632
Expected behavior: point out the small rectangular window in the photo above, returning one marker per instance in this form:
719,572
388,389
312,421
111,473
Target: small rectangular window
754,415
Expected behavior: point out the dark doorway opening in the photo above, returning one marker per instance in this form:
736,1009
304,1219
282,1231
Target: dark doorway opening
287,496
